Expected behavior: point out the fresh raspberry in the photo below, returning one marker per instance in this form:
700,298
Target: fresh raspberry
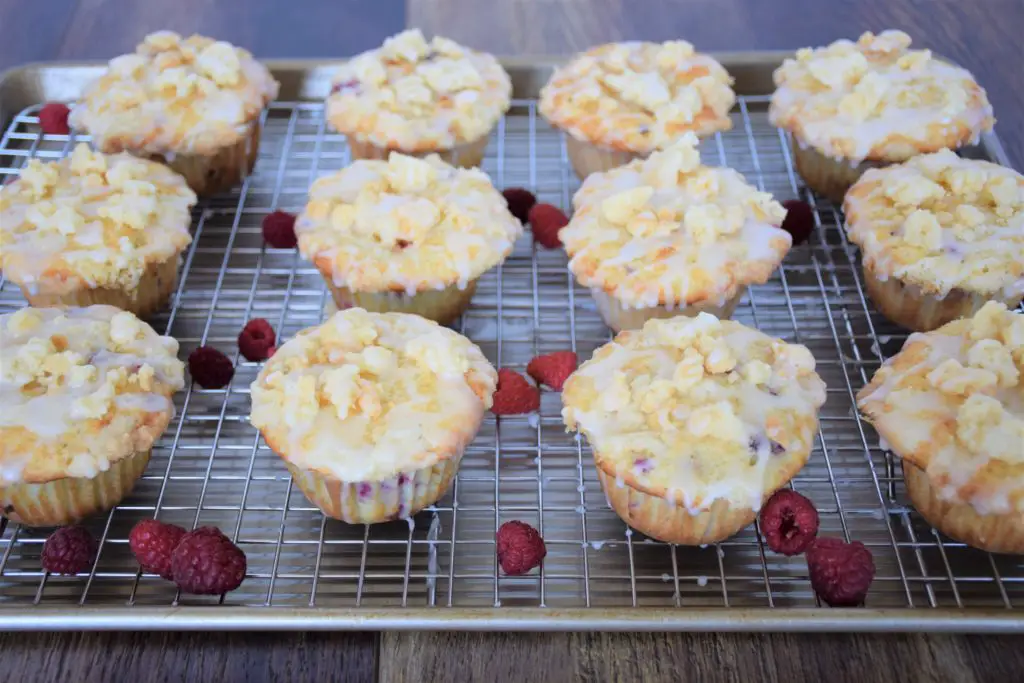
799,220
256,339
520,547
279,230
53,119
210,368
514,395
69,550
152,542
520,201
546,221
841,573
206,562
789,522
552,369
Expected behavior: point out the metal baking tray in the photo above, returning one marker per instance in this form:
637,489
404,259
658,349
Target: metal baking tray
438,570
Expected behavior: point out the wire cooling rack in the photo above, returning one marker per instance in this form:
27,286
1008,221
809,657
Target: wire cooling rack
211,467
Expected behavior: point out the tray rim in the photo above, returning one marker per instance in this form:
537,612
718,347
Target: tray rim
484,619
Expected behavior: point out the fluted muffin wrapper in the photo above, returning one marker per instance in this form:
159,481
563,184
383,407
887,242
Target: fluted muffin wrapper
441,305
465,155
587,158
371,502
71,499
826,176
217,173
996,533
620,317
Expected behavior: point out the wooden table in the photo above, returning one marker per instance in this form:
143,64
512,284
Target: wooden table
983,35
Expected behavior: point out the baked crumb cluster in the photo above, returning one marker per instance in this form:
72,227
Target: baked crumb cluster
697,409
175,95
367,395
405,224
667,230
878,99
639,96
91,220
415,95
952,403
942,222
80,388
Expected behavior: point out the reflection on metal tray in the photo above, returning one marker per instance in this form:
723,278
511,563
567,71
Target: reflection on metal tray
438,570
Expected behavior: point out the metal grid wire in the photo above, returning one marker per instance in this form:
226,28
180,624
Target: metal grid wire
211,467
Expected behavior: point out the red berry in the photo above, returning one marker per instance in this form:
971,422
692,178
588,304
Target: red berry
256,340
69,550
514,395
552,369
53,119
789,522
279,230
520,547
546,221
210,368
841,573
152,542
799,220
520,201
206,562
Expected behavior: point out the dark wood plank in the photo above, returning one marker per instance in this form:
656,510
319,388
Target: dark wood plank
158,657
32,31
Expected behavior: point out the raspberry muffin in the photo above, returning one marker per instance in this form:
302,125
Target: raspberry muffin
951,405
666,236
419,97
407,234
621,101
84,394
371,411
193,103
95,229
854,106
939,236
694,423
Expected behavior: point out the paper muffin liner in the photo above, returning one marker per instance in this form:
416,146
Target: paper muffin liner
371,502
664,520
440,305
71,499
214,174
466,155
826,176
156,286
587,158
619,317
996,533
907,305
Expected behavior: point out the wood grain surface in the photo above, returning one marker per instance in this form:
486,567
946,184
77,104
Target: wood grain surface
984,35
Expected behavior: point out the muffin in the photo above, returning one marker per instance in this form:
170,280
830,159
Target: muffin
621,101
854,106
407,234
95,229
694,423
939,237
419,98
666,236
371,411
194,104
85,392
951,405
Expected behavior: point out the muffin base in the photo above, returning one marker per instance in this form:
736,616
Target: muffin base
214,174
466,155
959,521
154,290
618,317
70,499
587,158
828,177
372,502
907,305
661,519
440,305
